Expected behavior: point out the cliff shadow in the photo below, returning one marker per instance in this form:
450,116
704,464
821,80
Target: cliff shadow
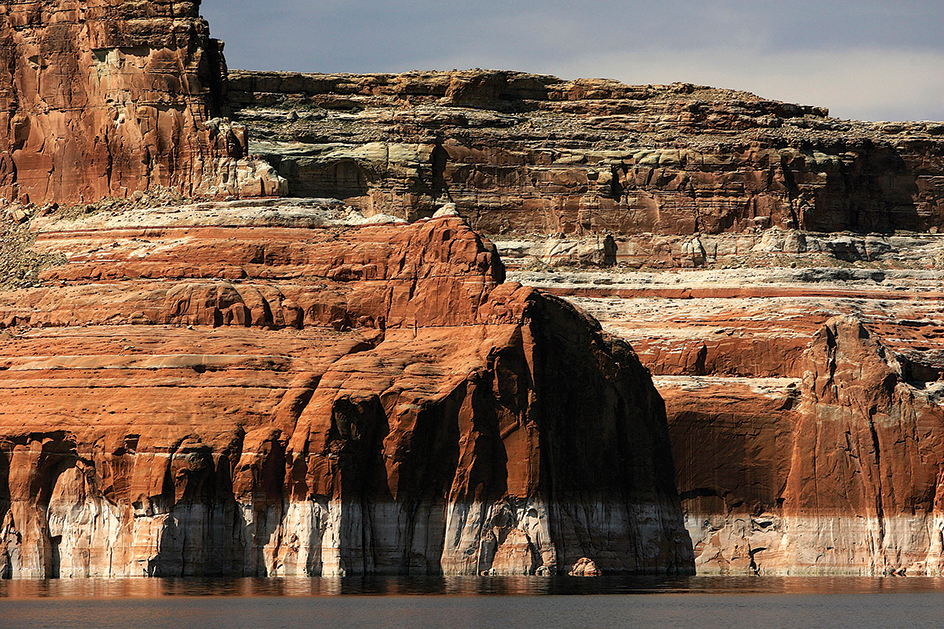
877,192
420,485
6,564
358,429
307,177
203,530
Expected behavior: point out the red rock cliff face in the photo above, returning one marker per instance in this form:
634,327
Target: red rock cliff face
232,399
844,475
806,440
107,97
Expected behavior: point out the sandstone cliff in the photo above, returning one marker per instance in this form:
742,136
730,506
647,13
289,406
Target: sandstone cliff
268,390
847,481
803,396
104,98
522,153
289,388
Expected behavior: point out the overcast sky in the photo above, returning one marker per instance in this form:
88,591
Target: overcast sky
867,59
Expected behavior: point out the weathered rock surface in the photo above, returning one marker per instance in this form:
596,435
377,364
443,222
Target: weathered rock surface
104,98
840,472
816,254
295,388
522,153
271,391
802,391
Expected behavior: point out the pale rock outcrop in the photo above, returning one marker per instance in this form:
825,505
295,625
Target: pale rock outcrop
585,568
522,153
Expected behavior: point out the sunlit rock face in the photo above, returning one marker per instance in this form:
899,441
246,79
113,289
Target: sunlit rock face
106,97
281,388
523,153
274,391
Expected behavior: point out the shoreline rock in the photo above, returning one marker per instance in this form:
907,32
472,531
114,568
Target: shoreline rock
355,400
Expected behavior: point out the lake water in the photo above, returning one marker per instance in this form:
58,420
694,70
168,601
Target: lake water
475,602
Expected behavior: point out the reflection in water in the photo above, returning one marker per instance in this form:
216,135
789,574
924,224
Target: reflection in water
455,602
457,586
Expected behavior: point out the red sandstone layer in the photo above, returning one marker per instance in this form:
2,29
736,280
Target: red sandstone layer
270,400
105,98
806,441
188,396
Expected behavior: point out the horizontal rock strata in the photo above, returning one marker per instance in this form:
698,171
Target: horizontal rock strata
844,476
522,153
277,388
270,391
803,396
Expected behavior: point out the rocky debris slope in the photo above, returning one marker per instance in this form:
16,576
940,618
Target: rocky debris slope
20,266
105,98
803,393
273,390
522,153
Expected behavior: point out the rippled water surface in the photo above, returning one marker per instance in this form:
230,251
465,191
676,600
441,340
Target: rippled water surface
475,602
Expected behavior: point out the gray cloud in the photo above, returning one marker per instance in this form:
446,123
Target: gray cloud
875,60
